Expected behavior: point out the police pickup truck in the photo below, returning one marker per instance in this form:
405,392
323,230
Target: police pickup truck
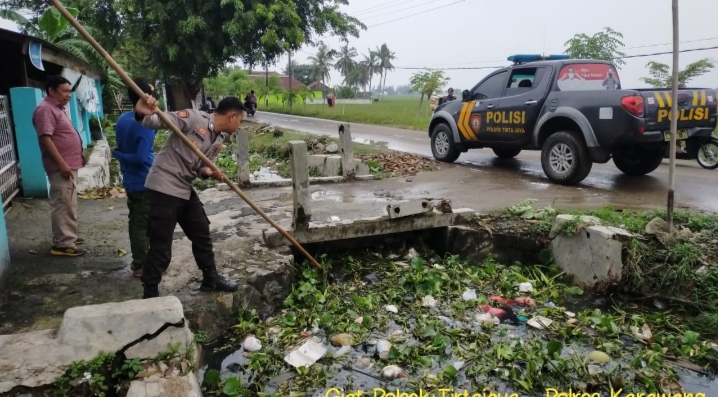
574,111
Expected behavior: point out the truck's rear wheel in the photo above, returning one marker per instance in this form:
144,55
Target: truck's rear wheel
443,146
638,160
565,159
506,153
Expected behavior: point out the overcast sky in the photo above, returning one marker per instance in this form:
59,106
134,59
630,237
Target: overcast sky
476,33
479,33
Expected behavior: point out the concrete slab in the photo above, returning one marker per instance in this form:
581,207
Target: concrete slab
367,227
300,184
408,208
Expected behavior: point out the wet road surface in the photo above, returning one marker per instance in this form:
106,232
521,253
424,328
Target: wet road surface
695,186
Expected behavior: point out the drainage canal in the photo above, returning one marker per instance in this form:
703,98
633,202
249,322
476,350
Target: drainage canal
449,310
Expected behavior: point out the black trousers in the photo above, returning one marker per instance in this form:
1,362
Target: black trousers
165,212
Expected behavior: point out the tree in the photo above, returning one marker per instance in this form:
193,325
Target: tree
661,76
604,45
426,83
301,72
385,56
193,39
372,63
322,64
345,62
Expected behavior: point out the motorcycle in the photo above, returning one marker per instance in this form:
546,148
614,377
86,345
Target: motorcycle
251,108
702,148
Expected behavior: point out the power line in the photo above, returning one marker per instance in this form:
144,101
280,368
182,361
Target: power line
418,13
395,12
382,7
374,7
498,67
681,42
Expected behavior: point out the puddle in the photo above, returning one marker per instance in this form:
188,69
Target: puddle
428,341
324,195
371,142
539,185
266,174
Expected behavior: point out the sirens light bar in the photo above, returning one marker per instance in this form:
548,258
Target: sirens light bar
523,58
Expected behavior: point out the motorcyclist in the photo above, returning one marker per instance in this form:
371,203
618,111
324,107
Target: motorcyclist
251,98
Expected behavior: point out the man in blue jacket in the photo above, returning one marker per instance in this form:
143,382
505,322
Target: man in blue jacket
135,153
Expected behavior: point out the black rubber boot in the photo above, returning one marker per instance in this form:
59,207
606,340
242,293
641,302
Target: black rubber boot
214,282
151,291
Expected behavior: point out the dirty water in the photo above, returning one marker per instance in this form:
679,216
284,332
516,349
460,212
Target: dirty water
266,174
441,346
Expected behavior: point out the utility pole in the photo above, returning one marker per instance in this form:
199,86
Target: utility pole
291,72
266,85
674,120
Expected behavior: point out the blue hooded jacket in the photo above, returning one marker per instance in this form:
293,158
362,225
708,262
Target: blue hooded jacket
134,151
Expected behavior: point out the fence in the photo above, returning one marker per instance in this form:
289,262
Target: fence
9,171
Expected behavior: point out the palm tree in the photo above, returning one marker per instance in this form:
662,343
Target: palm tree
372,63
345,63
362,75
385,57
322,64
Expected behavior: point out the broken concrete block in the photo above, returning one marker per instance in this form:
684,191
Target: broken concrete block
183,386
361,169
38,358
162,342
408,208
112,326
592,257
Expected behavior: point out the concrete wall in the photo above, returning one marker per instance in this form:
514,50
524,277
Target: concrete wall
23,101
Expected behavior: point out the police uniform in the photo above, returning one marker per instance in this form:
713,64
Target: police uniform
173,199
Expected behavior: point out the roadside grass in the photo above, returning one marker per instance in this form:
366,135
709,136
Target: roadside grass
394,111
679,269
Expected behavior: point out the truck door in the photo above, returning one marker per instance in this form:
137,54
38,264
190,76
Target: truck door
483,98
518,111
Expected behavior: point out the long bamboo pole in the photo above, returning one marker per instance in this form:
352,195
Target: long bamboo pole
176,130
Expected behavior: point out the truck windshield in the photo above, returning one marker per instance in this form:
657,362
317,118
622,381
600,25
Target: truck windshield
588,77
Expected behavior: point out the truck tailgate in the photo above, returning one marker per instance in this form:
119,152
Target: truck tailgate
696,108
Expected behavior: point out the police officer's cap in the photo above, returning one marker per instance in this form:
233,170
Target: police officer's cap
146,87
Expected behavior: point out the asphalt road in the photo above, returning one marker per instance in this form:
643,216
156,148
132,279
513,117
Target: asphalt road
695,186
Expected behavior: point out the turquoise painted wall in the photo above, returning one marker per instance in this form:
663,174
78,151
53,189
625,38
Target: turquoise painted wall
101,113
4,257
76,114
23,101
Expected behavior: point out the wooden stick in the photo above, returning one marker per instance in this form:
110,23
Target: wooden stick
176,130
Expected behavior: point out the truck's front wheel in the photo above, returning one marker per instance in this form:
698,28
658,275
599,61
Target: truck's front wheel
565,159
443,146
638,160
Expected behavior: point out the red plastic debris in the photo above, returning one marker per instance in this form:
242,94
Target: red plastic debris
500,313
526,301
304,334
501,299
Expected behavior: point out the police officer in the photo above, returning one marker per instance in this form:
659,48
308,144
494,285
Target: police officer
169,184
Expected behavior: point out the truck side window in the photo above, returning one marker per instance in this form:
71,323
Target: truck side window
491,88
522,81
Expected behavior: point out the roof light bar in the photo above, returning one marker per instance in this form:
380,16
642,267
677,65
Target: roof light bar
523,58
